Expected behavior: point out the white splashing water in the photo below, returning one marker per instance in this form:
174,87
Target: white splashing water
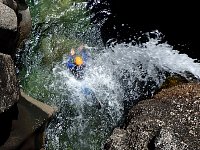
123,72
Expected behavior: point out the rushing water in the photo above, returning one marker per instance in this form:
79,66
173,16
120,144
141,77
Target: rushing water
118,75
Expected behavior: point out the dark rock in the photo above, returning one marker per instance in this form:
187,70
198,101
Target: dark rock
9,88
24,124
6,119
24,20
170,120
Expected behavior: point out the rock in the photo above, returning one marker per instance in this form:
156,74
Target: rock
25,23
8,18
10,3
8,30
25,129
15,25
9,88
170,120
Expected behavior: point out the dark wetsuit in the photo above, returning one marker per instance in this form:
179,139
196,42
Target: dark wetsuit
77,71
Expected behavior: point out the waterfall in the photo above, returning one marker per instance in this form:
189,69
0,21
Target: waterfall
117,74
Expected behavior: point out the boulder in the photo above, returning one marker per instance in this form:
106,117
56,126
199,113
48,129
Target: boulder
10,3
170,120
8,30
25,130
8,18
24,19
15,25
9,88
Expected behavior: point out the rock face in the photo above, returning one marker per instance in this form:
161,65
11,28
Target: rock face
22,119
15,25
8,30
25,130
9,88
25,24
10,3
169,121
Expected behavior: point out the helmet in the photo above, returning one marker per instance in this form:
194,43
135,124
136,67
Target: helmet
78,60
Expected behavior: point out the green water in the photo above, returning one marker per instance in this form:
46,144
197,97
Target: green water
57,26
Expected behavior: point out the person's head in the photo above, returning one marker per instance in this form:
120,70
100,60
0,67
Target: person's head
72,52
78,60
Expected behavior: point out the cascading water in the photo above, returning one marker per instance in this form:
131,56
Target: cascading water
118,75
83,123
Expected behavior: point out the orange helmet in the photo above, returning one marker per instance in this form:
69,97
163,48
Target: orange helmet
78,60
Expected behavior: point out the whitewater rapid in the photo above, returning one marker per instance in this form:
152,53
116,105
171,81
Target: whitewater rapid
120,73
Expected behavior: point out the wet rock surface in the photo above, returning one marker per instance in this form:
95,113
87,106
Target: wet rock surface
15,25
9,88
25,23
170,120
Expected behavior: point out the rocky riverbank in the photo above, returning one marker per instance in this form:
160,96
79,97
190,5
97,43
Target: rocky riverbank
22,119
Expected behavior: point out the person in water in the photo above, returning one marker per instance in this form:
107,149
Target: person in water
76,62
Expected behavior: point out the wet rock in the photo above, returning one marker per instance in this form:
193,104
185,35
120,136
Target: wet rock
170,120
8,29
9,88
6,119
15,25
25,23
